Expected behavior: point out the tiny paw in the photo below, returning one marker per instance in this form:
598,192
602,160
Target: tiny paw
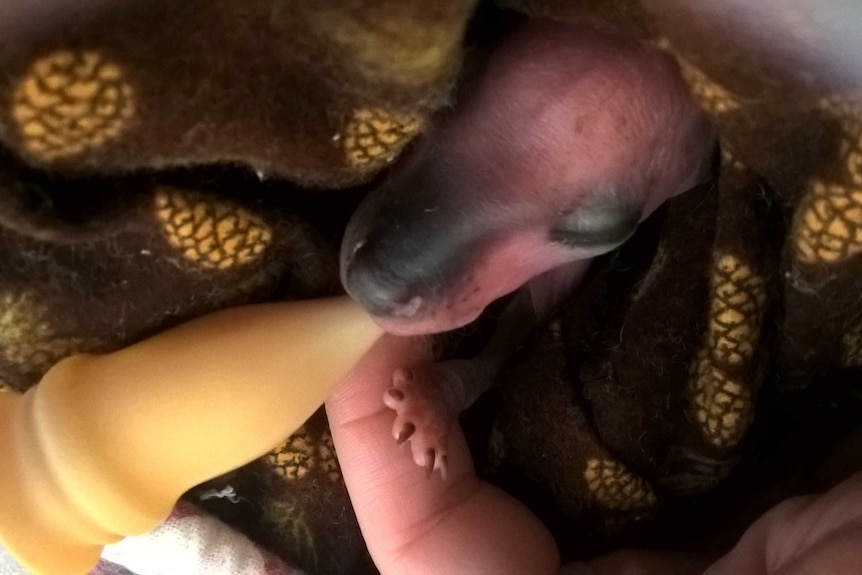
424,417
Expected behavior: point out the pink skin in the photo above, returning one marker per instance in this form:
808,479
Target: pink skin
466,526
564,122
413,525
428,398
569,138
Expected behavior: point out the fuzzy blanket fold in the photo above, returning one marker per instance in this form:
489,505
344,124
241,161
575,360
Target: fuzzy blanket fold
160,160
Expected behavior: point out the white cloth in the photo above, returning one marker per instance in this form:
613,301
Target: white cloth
190,543
8,564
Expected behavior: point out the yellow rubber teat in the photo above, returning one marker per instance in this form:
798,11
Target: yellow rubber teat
104,446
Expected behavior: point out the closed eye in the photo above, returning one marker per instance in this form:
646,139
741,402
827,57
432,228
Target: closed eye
596,226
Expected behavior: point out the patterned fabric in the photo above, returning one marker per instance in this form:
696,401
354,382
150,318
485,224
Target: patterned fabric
161,160
726,331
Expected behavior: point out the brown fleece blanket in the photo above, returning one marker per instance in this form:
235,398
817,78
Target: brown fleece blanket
160,160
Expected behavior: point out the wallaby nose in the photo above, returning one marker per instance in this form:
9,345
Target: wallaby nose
376,285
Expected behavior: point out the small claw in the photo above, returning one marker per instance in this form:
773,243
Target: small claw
396,394
429,462
406,432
